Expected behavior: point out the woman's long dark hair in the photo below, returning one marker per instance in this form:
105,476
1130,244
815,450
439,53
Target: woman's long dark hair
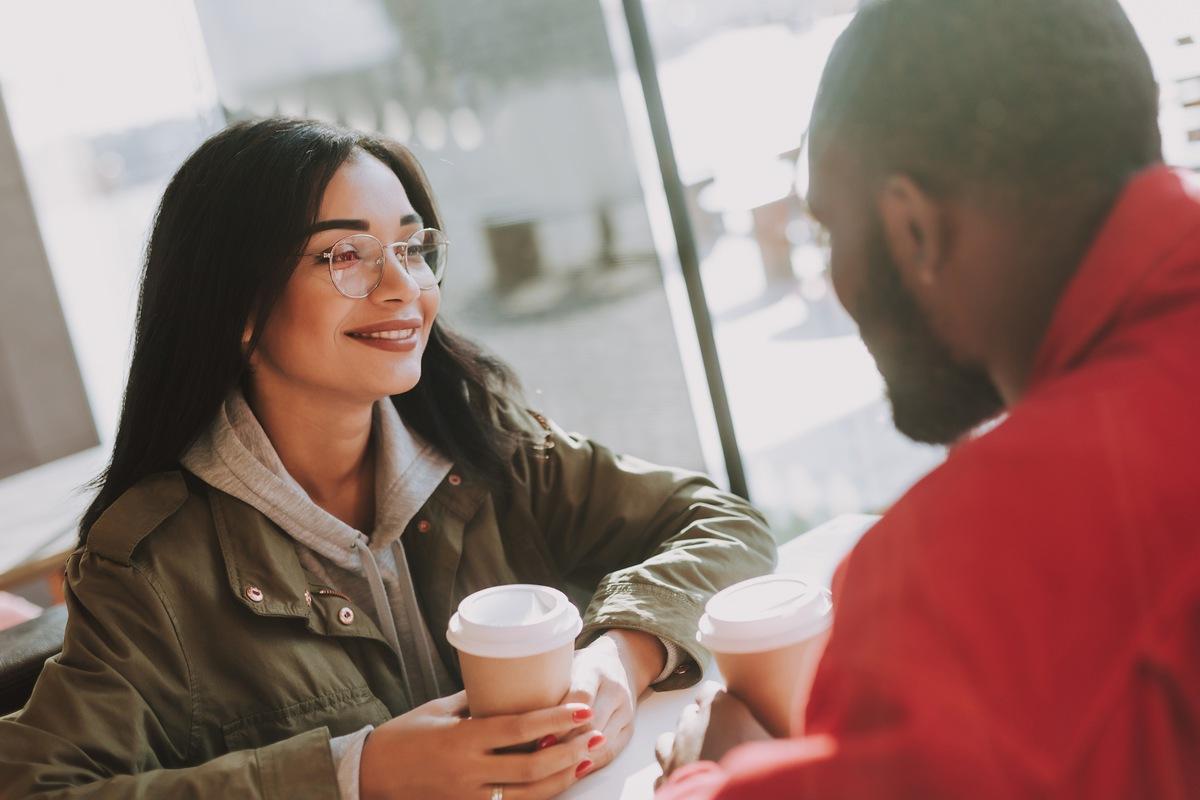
226,238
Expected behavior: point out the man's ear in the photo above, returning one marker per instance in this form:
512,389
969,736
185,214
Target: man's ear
913,231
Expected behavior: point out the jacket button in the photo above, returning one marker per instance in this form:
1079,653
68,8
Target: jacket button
307,597
254,594
423,526
455,480
346,615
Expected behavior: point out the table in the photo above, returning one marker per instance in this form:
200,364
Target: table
631,775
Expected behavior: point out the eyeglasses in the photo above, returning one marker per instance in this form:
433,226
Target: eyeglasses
356,262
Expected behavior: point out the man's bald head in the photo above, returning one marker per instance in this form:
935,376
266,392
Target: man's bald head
1025,95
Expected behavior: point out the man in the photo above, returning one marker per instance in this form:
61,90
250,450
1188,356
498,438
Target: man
1025,622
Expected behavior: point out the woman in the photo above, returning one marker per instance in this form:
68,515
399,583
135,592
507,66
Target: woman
309,473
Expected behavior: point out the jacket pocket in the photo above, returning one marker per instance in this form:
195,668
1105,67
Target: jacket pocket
342,711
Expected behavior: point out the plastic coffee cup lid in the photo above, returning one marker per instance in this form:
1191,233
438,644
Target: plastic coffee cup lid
764,614
514,621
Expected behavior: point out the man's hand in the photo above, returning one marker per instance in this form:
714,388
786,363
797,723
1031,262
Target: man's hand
711,726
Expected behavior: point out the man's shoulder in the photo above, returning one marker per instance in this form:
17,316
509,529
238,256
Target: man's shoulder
1035,483
1021,459
1078,475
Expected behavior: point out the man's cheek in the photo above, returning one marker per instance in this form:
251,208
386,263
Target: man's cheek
846,284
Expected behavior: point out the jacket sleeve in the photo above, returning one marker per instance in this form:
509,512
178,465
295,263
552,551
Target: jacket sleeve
112,715
656,542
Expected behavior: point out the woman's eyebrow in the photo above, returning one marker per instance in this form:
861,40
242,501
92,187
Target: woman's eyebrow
357,224
349,224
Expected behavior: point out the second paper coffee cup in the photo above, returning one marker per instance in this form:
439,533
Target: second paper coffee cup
767,635
515,645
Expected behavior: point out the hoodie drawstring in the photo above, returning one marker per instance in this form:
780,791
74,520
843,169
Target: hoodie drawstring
383,610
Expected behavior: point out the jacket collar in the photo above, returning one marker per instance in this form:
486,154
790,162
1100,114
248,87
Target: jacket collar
258,555
1157,210
266,576
261,564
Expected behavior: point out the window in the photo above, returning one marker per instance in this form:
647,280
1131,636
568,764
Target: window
807,402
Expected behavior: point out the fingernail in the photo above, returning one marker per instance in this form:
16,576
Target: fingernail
596,741
583,767
548,740
581,714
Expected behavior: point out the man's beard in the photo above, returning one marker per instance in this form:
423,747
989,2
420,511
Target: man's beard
934,398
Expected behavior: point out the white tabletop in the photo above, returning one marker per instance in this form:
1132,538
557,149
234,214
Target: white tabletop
631,775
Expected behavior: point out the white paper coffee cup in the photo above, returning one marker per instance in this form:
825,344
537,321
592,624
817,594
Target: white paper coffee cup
515,645
767,635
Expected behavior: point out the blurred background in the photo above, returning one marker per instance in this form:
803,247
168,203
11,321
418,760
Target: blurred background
531,120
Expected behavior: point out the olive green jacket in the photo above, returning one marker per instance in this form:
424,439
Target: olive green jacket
201,660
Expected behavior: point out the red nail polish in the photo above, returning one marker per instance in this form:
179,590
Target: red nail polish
581,715
596,741
547,741
583,767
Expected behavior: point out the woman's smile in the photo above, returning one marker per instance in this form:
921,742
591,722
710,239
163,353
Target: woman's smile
395,335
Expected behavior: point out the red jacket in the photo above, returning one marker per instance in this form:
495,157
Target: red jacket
1025,622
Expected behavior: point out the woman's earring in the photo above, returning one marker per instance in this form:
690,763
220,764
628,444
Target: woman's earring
246,353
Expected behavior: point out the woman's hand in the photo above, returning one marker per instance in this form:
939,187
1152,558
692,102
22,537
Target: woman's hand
608,676
435,752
